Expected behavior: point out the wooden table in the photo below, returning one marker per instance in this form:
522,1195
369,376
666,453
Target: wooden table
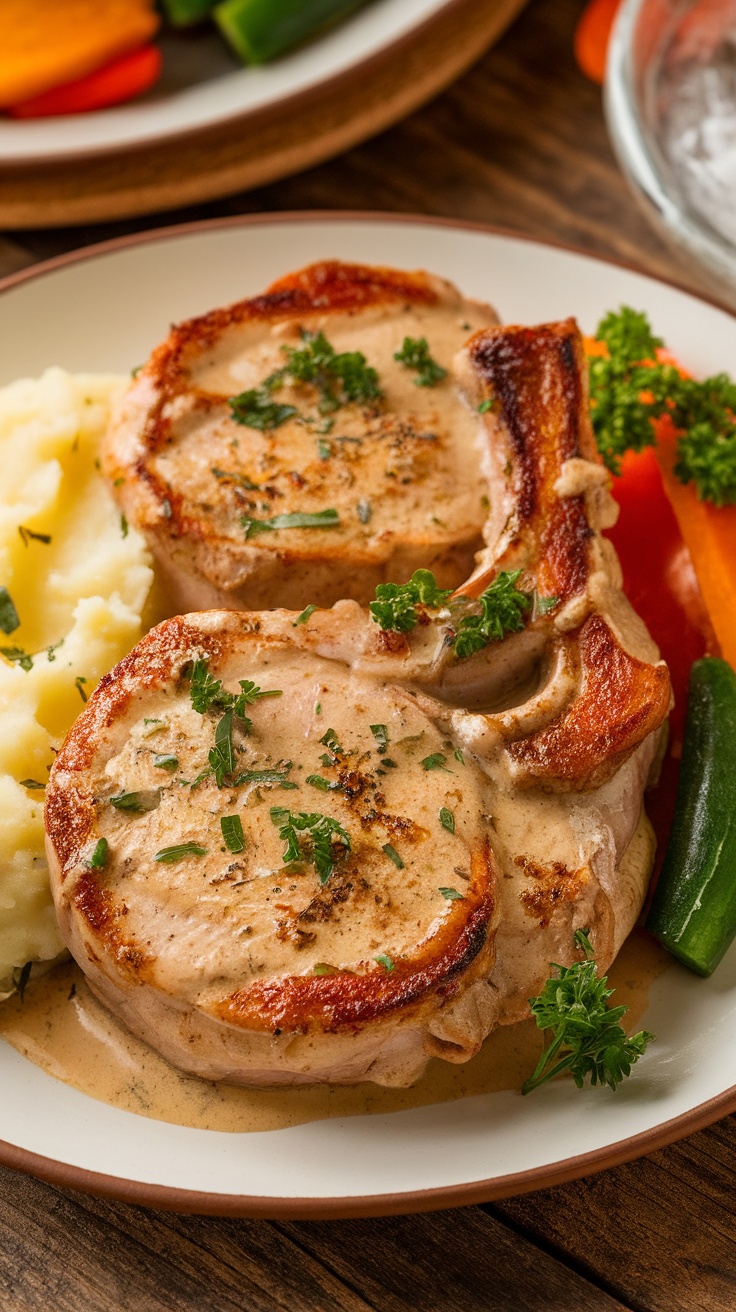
519,142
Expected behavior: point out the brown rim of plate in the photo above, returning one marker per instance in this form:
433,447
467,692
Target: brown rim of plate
424,1200
293,102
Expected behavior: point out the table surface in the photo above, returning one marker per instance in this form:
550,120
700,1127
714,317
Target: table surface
519,142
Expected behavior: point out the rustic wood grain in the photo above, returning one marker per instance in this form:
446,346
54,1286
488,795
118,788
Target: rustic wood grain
660,1232
519,142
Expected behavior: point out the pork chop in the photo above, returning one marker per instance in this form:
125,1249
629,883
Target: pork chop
277,453
460,816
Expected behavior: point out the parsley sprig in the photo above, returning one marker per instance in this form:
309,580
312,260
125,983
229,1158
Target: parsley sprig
396,603
630,388
587,1039
207,693
414,354
340,377
311,836
503,607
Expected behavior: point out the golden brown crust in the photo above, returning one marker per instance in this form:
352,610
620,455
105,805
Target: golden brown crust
343,1000
620,701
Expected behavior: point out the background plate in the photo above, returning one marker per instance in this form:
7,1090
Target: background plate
103,310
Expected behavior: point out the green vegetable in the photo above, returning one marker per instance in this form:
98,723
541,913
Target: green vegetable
98,859
629,389
503,607
166,762
17,656
168,855
435,762
259,30
414,354
9,620
317,833
137,802
393,855
447,820
184,13
232,832
451,894
693,912
305,615
395,604
317,519
587,1039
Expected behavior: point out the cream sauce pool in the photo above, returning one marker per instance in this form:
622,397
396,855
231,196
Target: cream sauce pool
62,1028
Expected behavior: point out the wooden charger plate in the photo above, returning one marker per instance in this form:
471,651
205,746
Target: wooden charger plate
294,133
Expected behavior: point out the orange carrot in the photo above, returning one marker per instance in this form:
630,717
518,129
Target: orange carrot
590,42
710,534
121,80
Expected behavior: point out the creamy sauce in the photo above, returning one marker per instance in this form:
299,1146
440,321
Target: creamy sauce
63,1029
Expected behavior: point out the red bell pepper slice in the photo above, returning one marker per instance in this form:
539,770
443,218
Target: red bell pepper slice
119,81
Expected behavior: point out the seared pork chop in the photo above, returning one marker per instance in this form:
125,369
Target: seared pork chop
332,475
486,807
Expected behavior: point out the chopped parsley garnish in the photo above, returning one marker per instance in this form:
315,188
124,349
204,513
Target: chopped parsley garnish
21,978
32,783
222,755
232,832
205,690
447,820
274,776
458,754
364,511
545,604
101,851
166,509
436,762
137,802
166,762
317,781
168,855
502,610
251,693
9,619
393,855
305,615
310,836
587,1039
297,519
395,604
324,968
28,535
257,409
79,683
208,692
451,894
17,656
339,378
384,960
324,450
241,479
485,406
52,649
330,741
123,526
414,354
380,733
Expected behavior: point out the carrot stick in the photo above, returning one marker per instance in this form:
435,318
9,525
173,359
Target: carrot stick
710,534
590,42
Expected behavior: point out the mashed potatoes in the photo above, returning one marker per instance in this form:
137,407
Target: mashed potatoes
78,579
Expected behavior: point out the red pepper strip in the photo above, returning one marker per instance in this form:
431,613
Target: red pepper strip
590,42
121,80
660,583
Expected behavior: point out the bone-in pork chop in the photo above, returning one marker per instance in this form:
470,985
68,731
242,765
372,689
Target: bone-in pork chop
455,816
276,453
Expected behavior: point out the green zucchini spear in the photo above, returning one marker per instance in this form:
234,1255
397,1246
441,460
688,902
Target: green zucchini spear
259,30
693,913
184,13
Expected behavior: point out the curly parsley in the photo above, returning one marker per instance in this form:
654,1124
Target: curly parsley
503,607
396,603
414,354
312,837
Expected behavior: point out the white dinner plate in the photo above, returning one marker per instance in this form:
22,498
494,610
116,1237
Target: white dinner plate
104,309
204,84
